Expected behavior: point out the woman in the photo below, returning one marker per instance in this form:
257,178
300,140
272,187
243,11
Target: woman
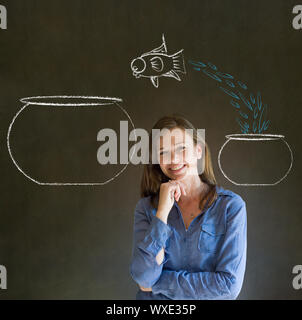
189,237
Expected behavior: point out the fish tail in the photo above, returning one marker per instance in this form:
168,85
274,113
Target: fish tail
178,61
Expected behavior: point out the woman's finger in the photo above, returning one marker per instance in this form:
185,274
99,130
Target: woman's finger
178,193
172,194
182,188
179,187
175,191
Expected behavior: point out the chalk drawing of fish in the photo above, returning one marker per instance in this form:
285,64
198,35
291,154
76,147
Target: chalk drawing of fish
158,63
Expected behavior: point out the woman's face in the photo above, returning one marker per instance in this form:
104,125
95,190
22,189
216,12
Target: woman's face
177,154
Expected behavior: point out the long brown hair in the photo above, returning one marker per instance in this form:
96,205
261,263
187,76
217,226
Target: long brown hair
153,176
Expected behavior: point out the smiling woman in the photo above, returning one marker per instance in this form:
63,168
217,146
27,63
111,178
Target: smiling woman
189,238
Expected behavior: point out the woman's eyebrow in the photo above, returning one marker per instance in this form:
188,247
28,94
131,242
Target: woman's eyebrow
175,144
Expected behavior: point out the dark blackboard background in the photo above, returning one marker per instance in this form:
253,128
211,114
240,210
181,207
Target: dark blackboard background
74,242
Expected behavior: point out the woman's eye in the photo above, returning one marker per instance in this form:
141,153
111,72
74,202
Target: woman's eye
165,152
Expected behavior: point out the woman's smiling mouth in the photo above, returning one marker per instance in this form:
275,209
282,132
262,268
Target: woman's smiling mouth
177,169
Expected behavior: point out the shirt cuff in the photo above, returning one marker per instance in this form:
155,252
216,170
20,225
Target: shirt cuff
156,236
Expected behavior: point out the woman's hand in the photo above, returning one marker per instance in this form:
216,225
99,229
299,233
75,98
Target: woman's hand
168,192
145,289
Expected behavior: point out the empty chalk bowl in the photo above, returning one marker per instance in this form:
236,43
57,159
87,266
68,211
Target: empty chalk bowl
52,140
255,159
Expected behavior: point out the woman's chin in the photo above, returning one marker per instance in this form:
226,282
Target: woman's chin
181,175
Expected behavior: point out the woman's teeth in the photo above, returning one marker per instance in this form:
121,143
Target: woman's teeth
177,168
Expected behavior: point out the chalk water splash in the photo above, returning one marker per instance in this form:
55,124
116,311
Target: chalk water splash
250,107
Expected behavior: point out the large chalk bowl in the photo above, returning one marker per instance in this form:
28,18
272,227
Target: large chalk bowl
255,159
52,140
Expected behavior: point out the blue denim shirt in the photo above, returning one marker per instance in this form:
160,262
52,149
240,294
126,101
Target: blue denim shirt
206,261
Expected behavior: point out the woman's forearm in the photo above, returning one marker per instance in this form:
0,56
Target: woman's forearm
161,254
162,215
148,253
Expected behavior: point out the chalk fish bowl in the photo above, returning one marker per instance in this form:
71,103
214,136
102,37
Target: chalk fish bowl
255,159
53,140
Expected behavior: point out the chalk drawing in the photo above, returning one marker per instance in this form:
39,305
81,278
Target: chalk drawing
66,102
158,63
251,138
251,109
252,118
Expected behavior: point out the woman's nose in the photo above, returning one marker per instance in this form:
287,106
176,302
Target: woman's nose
175,158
